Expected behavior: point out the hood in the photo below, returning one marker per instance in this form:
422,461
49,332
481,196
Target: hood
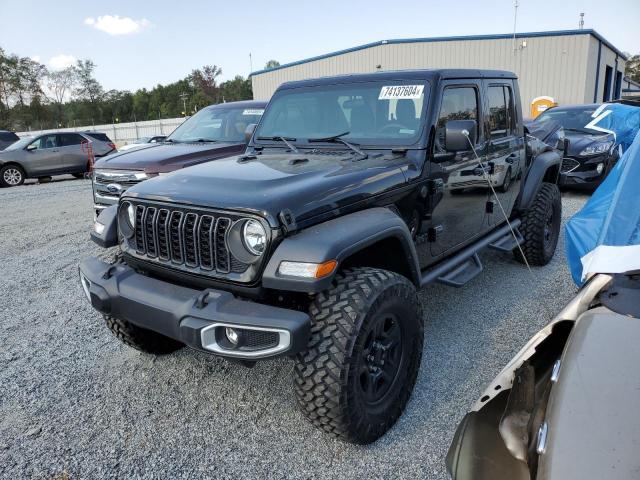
306,184
579,141
166,157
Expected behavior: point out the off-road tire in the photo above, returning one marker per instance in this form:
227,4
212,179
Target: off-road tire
141,339
537,225
326,375
12,171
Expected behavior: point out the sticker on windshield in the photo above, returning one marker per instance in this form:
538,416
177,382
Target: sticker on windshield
253,111
398,92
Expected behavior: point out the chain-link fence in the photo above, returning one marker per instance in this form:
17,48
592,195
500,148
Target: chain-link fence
121,133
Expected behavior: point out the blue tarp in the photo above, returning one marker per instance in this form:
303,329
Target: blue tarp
604,237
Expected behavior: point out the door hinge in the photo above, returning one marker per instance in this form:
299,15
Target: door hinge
489,206
288,221
434,232
435,186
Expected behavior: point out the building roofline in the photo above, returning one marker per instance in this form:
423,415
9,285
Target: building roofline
499,36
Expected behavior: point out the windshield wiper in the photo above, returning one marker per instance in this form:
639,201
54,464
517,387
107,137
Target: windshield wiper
205,140
170,140
279,138
338,139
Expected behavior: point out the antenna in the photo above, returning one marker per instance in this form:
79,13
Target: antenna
515,20
581,24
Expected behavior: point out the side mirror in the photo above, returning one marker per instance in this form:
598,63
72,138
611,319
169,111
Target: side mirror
248,132
31,147
458,133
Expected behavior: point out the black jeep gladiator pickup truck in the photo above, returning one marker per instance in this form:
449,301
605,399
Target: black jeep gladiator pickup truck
313,242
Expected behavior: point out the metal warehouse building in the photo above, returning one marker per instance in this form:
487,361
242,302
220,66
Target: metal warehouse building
571,66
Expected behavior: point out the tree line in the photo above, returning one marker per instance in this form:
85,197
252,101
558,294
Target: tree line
32,97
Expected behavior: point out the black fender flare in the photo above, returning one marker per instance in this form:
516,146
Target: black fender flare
337,239
536,175
109,235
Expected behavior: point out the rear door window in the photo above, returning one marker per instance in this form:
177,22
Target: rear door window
501,112
98,136
8,137
70,139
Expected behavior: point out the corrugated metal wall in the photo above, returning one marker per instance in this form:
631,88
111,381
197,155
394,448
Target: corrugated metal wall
556,66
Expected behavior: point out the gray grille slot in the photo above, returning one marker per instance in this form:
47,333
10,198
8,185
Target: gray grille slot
190,239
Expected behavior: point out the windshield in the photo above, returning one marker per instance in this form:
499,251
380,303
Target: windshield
216,125
23,142
371,113
570,119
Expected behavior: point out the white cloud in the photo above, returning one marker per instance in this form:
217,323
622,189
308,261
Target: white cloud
61,61
117,25
35,58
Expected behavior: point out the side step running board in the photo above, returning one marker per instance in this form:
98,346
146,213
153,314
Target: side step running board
508,243
463,273
463,266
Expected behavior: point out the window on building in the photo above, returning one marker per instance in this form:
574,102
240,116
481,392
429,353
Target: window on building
608,73
617,89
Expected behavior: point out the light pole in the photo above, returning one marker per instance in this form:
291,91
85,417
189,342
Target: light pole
184,96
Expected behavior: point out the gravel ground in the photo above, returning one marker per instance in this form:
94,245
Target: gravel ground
75,403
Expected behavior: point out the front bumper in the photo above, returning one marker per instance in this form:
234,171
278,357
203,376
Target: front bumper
585,174
197,318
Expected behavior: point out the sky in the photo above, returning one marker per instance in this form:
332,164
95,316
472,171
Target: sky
138,44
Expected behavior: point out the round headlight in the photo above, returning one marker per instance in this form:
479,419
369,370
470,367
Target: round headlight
126,219
254,237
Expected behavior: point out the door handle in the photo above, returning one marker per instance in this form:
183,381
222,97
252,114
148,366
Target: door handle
511,158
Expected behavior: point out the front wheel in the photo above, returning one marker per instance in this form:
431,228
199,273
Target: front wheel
358,372
541,226
11,176
140,338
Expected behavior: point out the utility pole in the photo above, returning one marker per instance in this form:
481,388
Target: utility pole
581,24
250,63
515,19
184,96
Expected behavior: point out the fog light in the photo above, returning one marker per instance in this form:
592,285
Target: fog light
86,285
232,336
98,227
600,168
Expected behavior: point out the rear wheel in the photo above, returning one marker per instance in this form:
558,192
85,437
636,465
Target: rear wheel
141,339
541,226
11,176
358,372
79,175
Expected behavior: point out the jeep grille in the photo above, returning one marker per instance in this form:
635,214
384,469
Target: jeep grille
186,239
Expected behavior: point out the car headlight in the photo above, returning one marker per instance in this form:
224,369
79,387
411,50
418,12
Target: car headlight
597,149
131,215
127,219
254,237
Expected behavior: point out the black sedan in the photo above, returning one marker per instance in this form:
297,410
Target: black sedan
591,153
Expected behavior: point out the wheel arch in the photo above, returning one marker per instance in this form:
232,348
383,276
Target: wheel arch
545,168
375,237
13,163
